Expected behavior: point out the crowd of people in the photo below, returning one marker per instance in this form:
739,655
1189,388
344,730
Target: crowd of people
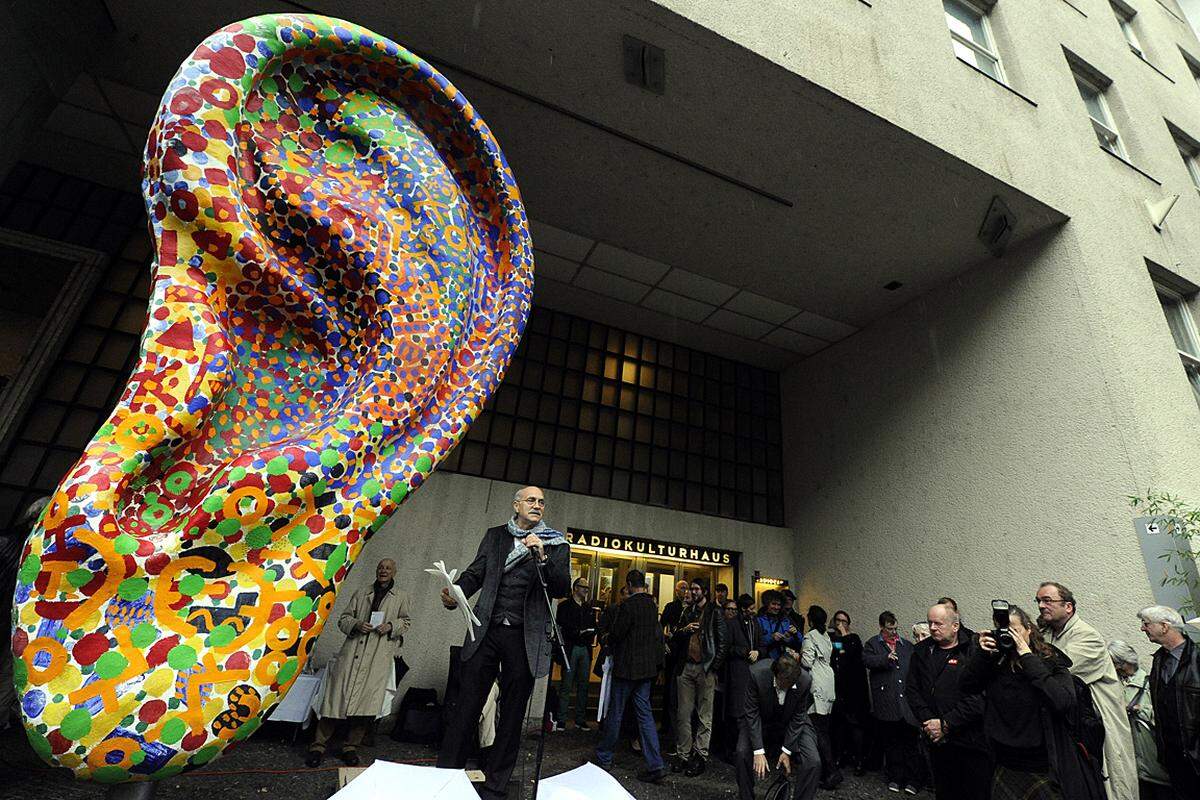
1031,706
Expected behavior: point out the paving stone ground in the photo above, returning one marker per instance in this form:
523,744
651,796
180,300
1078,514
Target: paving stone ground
271,766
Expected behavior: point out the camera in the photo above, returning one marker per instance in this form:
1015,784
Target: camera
1003,636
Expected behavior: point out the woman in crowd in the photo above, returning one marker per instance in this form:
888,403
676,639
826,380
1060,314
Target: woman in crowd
1153,781
852,706
816,656
1029,705
778,632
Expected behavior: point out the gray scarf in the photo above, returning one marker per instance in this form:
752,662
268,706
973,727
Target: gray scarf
519,551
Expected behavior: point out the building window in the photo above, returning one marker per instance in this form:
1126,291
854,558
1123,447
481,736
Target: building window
1190,154
1183,331
1193,66
1125,15
593,409
971,36
1097,108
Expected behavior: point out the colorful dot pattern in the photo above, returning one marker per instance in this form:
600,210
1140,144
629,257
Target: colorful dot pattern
343,270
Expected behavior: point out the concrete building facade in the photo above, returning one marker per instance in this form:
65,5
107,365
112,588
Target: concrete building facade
872,296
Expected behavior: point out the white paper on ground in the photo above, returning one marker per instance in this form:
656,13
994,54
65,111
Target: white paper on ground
469,617
376,619
588,782
384,780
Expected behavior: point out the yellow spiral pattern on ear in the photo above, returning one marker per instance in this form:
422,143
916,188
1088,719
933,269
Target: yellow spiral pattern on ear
342,272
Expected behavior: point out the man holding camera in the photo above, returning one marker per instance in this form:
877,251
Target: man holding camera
1090,662
951,720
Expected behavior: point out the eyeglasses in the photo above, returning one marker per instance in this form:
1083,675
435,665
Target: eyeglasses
1047,601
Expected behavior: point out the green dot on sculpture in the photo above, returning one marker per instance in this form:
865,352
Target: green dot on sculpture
181,657
300,607
111,664
143,635
76,724
190,585
133,588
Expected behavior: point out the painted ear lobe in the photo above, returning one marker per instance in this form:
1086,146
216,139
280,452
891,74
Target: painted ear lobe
343,271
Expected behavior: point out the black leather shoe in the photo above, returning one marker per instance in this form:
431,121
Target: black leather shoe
350,759
314,758
652,776
695,767
678,764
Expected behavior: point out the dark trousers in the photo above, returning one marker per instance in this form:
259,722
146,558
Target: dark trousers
849,735
667,728
502,651
805,761
898,742
356,730
1184,778
960,773
823,725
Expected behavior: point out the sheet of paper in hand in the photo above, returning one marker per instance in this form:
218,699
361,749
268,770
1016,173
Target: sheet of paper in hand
376,619
472,621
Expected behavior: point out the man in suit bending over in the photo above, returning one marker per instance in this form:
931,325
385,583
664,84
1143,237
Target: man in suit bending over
513,635
776,729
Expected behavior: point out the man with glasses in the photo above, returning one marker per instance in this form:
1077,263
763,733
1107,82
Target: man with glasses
511,638
1088,651
577,623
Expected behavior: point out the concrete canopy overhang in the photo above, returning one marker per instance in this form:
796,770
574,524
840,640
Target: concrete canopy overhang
795,200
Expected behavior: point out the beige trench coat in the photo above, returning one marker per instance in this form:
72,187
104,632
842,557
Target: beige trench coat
359,679
1091,663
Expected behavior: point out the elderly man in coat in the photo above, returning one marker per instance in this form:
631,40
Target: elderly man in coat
374,622
1090,663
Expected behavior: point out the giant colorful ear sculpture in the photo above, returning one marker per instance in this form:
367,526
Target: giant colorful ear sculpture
343,271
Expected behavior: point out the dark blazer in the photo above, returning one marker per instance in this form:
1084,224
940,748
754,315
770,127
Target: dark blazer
743,640
763,709
483,575
887,679
636,638
934,692
1183,691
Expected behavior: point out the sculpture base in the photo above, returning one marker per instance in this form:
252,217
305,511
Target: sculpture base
143,790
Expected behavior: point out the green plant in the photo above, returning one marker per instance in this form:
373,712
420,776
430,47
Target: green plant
1181,521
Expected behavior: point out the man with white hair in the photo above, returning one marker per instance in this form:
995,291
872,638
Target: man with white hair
511,640
1175,690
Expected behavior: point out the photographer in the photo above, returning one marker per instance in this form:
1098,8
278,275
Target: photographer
1029,701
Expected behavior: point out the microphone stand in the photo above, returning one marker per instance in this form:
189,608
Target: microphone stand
555,641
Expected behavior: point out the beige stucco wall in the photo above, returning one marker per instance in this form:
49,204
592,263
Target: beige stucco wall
985,436
446,518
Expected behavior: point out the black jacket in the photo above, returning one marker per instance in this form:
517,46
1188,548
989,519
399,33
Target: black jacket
1184,692
576,623
1047,689
483,575
744,635
635,638
714,638
764,711
934,692
850,675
